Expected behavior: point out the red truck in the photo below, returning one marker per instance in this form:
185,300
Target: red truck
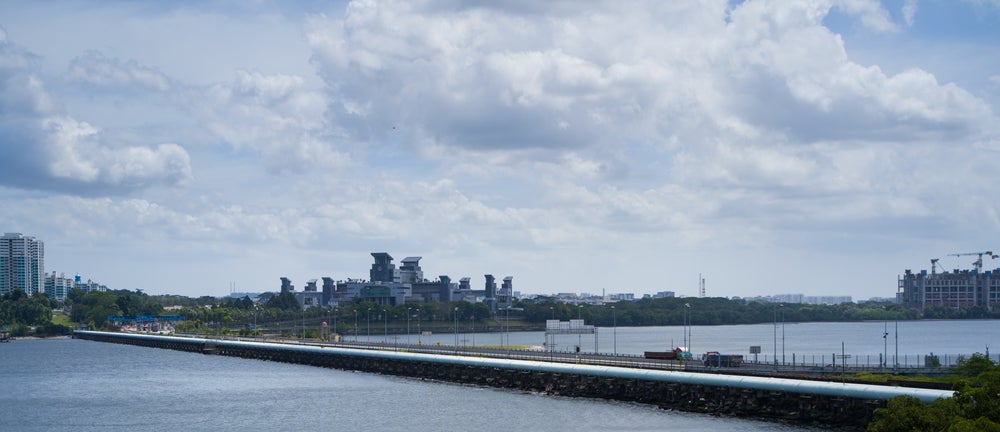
677,354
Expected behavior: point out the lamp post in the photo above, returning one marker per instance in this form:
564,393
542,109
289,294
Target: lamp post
256,309
420,333
614,324
385,328
687,306
552,346
368,339
885,343
355,324
506,325
456,328
408,312
775,336
895,360
782,307
579,336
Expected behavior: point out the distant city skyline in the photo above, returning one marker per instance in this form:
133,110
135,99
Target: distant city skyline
815,146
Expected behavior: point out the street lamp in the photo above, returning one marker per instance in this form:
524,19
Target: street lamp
782,307
687,307
775,335
885,342
355,324
408,326
256,310
385,328
614,324
456,329
369,338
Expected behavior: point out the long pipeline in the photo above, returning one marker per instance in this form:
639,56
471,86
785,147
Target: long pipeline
850,390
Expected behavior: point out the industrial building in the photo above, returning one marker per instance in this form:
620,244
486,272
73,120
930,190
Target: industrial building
389,285
955,289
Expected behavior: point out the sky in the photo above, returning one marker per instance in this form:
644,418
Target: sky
819,147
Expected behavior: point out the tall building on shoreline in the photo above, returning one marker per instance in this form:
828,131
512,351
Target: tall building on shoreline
957,289
22,264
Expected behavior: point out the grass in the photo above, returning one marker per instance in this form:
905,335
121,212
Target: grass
61,318
883,378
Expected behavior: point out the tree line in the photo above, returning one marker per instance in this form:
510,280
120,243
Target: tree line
675,311
21,312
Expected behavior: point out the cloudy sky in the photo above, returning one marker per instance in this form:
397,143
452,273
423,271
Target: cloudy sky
816,147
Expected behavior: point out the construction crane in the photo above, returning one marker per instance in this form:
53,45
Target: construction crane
978,264
934,262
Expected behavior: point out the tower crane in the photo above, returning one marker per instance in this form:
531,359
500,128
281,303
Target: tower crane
934,262
978,264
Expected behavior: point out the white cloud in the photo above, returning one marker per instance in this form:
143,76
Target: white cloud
909,12
872,14
275,115
76,153
96,69
44,148
545,136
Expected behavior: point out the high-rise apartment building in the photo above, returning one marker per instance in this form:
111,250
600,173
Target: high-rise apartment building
22,264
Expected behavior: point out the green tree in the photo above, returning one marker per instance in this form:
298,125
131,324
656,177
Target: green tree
975,406
94,308
283,301
907,413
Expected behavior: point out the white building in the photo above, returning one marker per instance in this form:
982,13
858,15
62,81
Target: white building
22,264
58,286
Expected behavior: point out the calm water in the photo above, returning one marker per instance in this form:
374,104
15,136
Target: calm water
808,341
75,385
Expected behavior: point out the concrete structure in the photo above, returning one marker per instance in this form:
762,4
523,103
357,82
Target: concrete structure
951,290
383,270
788,400
506,297
389,285
329,288
410,271
22,264
378,292
436,291
286,285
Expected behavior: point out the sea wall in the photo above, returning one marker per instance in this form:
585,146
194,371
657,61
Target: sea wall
805,402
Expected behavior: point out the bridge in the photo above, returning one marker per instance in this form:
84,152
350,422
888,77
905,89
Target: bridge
802,401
